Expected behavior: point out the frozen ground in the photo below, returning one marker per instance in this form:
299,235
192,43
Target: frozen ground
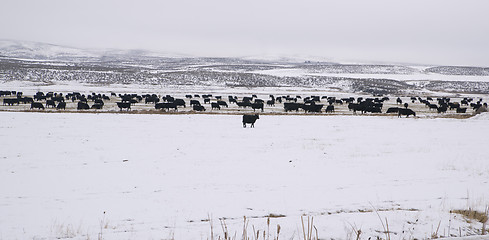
162,176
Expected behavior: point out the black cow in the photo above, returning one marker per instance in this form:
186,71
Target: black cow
179,102
37,105
151,99
59,98
361,107
10,101
247,99
271,103
222,103
61,105
312,108
215,106
97,106
82,106
50,103
198,108
373,109
99,102
26,100
5,93
122,105
250,119
257,106
194,102
405,111
291,106
461,110
475,106
243,104
454,105
433,106
442,109
330,109
39,97
166,106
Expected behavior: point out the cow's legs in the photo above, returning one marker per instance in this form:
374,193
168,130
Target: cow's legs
244,125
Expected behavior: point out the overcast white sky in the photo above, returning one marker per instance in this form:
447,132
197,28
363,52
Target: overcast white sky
411,31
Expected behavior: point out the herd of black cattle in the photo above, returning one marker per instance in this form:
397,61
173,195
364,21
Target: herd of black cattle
309,104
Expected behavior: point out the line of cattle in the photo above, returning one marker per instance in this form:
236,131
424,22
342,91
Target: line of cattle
290,103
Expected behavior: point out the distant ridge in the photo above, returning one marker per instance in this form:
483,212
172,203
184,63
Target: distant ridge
47,51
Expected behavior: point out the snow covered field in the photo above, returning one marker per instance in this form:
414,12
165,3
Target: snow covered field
417,76
126,176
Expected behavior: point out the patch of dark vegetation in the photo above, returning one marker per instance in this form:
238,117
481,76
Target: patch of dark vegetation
380,86
356,68
459,70
365,210
459,87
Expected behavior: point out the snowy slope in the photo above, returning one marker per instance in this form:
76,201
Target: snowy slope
42,51
36,50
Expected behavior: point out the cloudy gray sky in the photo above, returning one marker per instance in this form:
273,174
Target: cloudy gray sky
410,31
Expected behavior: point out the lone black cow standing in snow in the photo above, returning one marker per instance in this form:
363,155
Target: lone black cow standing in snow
250,119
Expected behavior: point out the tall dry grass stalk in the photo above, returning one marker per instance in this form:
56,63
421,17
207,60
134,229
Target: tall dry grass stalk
212,226
245,228
484,224
257,234
308,233
357,231
103,225
386,229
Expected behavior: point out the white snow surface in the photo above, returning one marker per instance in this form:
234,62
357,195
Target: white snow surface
129,176
417,76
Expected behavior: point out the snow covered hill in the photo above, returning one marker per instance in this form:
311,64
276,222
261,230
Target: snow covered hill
41,51
39,62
